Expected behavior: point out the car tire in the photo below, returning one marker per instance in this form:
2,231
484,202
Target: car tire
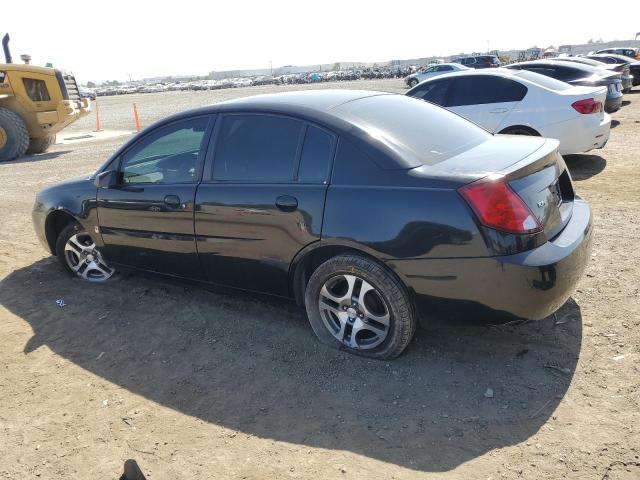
14,137
78,255
356,304
40,145
413,82
520,131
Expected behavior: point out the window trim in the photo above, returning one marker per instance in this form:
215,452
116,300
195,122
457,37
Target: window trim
207,176
205,144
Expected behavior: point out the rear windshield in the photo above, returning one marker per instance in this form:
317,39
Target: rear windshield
421,132
543,80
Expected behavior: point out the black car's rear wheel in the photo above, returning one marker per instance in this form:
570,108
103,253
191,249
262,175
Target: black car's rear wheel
77,252
355,304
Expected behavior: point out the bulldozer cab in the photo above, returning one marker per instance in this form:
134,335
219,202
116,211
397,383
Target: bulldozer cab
35,104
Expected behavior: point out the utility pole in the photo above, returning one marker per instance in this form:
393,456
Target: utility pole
271,67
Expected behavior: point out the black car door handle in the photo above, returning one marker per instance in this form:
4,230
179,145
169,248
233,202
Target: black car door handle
287,203
172,201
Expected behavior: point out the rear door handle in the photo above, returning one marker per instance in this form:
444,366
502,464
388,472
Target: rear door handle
172,201
498,110
287,203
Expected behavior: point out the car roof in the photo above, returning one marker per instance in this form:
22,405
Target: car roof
612,55
495,72
313,99
559,63
635,49
315,106
448,64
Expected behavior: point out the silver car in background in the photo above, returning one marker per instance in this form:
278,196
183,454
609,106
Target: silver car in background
432,71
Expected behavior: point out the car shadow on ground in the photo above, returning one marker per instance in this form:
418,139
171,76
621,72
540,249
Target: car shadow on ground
38,157
615,123
583,167
255,367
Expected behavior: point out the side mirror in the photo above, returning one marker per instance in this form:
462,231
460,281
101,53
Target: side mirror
106,179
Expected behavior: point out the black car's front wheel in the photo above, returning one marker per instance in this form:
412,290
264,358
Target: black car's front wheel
78,254
355,304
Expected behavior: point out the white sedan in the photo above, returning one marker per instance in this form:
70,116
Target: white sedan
433,71
524,103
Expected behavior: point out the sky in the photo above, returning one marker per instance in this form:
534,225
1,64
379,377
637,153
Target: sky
118,40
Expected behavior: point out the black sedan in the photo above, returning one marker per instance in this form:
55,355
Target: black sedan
369,209
600,62
578,74
619,63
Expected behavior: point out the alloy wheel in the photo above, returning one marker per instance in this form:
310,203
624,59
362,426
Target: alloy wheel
85,260
354,312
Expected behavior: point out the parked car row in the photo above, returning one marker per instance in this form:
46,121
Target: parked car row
522,102
566,98
285,79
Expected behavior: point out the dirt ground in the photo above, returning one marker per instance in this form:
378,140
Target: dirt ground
194,384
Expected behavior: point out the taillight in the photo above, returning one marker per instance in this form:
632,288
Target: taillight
588,105
499,207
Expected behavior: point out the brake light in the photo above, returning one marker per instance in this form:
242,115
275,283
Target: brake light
499,207
588,105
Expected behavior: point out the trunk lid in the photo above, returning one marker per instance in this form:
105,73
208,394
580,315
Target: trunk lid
543,182
533,168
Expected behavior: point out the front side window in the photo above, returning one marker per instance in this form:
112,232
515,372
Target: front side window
167,155
36,89
257,148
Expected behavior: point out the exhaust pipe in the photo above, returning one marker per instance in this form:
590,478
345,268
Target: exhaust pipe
5,47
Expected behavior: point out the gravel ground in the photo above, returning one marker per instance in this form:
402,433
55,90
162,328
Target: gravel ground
195,384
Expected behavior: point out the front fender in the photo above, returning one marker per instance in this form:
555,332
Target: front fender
57,205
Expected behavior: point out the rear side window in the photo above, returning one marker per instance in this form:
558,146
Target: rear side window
477,90
315,159
603,59
543,80
559,73
434,92
424,133
257,148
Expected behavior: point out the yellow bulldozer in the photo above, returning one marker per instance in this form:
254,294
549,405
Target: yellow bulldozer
35,104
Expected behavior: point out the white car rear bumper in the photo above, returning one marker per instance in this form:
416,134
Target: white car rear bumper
580,134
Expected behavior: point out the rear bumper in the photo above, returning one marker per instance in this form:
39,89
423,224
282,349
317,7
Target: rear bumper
580,134
613,104
530,285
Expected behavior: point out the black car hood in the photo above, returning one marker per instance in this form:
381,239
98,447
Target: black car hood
69,186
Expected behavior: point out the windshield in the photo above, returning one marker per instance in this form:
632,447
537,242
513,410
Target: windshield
543,80
421,132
